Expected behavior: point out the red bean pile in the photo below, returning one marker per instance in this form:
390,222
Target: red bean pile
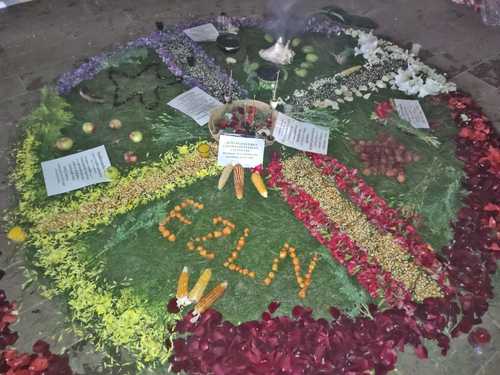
384,156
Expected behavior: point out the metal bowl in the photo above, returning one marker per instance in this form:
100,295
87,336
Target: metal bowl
229,43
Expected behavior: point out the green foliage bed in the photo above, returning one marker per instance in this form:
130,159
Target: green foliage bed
130,256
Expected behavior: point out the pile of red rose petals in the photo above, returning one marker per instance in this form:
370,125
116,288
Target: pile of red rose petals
42,362
8,316
294,345
303,345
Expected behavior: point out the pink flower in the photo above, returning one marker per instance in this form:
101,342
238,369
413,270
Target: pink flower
384,110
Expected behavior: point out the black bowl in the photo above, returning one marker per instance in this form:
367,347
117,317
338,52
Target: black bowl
228,42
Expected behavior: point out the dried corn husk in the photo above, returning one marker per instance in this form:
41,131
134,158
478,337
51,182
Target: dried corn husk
259,184
239,181
226,172
210,298
197,292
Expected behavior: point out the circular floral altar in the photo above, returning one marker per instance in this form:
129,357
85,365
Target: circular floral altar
388,240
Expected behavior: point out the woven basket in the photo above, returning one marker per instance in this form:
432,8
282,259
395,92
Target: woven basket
217,113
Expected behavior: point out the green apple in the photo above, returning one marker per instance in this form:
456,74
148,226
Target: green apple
296,42
88,128
112,173
135,136
312,57
268,38
301,72
308,49
64,144
115,124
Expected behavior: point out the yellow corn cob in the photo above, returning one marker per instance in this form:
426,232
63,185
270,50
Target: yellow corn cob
226,172
259,184
183,284
210,298
197,292
239,181
350,70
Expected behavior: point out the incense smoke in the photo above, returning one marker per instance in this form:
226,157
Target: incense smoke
284,19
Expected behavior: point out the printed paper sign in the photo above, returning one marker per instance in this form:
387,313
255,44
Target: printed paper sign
195,103
249,152
411,111
203,33
75,171
301,135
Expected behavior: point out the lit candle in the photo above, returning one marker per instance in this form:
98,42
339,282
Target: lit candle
276,86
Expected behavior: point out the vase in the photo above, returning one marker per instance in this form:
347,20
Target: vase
490,12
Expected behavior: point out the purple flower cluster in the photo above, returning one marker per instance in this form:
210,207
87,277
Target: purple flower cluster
161,41
208,75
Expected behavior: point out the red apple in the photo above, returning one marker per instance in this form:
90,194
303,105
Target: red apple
130,157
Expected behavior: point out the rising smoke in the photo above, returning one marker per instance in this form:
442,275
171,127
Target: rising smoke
284,18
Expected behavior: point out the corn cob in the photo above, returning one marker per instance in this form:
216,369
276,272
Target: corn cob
226,172
259,184
210,298
183,284
239,181
197,292
351,70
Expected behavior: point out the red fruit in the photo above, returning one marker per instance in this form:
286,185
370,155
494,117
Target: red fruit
41,347
479,336
22,360
391,172
172,306
408,157
273,306
130,157
39,364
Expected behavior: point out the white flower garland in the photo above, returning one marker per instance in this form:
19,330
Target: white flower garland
417,79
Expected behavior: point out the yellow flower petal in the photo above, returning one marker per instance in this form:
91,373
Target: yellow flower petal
17,234
183,150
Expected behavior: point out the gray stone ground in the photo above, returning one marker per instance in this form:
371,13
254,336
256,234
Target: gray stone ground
42,39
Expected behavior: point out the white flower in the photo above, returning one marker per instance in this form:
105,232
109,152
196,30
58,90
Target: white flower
368,46
411,81
430,87
299,93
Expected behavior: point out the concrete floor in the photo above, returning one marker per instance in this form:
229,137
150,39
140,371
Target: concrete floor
41,39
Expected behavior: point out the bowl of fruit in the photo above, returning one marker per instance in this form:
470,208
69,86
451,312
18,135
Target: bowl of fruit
243,117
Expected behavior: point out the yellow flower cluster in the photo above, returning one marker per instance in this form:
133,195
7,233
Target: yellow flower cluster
140,187
380,246
121,317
